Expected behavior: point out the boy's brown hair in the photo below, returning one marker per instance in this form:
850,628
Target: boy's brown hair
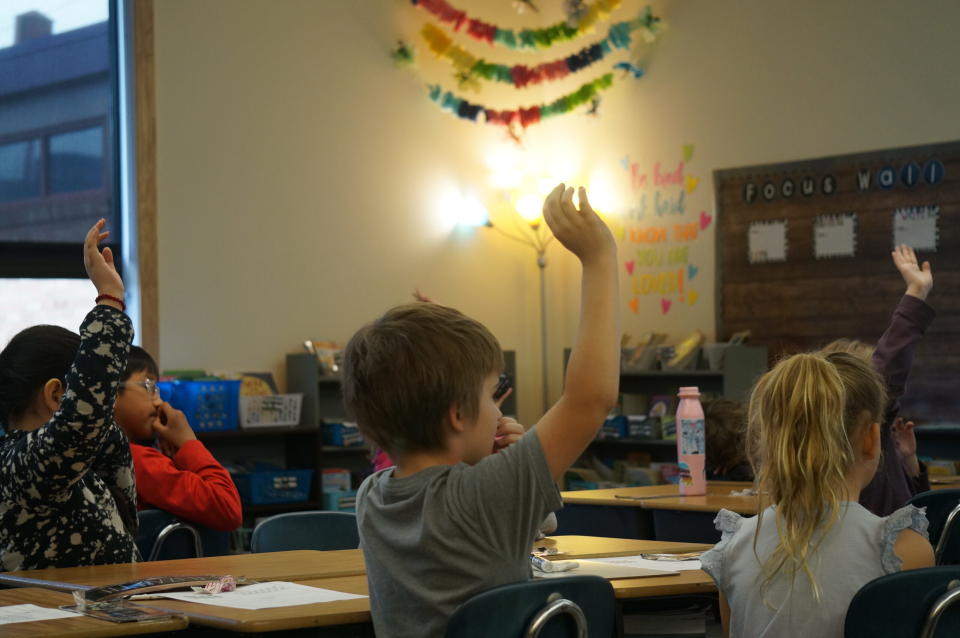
403,372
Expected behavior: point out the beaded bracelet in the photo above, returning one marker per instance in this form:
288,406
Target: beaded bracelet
123,306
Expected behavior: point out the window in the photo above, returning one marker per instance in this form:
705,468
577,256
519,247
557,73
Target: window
19,170
60,153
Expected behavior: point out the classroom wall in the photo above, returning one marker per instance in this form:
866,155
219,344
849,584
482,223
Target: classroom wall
300,173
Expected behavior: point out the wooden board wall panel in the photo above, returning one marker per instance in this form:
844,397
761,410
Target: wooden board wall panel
804,302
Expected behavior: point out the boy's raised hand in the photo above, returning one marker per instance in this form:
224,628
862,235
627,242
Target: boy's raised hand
582,231
919,279
172,426
100,267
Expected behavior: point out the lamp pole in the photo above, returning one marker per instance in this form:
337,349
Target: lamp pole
542,266
535,236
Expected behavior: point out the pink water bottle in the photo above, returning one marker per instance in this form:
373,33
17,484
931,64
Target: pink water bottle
691,443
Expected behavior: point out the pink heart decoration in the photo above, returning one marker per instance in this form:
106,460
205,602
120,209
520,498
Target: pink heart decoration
705,220
630,264
665,305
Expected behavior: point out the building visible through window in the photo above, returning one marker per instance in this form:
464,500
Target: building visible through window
58,153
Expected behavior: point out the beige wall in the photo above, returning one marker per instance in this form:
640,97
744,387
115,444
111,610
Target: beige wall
299,171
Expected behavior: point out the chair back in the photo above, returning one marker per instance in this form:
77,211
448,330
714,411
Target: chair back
918,602
306,530
943,512
568,607
163,536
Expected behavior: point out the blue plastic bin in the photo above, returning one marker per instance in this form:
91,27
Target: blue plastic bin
209,405
279,486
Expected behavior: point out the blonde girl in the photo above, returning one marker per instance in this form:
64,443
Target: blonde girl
814,436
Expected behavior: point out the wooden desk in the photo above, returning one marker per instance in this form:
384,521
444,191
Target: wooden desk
597,546
343,612
657,511
357,611
942,482
295,565
717,491
77,627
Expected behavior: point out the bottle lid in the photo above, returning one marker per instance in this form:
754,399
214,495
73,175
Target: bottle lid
689,391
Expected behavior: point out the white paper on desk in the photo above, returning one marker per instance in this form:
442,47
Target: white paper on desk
646,563
10,614
265,596
610,571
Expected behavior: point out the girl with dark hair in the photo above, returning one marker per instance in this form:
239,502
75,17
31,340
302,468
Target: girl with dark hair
67,493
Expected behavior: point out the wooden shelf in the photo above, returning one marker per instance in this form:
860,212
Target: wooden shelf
254,432
340,449
635,442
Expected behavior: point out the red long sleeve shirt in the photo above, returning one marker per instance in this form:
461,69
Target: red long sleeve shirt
192,485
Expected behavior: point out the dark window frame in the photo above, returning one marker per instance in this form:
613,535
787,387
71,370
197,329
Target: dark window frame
44,135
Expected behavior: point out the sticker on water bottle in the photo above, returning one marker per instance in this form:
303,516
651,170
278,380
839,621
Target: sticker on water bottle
693,439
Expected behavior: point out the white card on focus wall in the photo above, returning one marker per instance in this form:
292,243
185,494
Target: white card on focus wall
917,227
767,241
835,236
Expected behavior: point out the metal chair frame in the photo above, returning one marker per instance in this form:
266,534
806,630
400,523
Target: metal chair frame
941,604
171,528
952,518
557,606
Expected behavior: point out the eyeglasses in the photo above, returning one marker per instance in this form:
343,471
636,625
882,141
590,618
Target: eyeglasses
147,384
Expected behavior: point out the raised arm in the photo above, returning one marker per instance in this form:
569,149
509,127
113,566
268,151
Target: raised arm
593,372
51,458
894,353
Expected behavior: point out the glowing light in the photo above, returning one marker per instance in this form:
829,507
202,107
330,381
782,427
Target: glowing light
601,193
530,208
472,212
504,165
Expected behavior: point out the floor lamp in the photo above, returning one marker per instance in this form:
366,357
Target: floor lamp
535,234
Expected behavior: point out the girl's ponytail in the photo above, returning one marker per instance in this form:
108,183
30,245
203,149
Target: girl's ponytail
802,416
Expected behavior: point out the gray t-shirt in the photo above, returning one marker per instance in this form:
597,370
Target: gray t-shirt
434,539
857,549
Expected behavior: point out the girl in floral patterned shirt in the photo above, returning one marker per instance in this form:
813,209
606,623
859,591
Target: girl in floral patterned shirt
67,493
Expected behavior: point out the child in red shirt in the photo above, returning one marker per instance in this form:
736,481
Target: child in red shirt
181,477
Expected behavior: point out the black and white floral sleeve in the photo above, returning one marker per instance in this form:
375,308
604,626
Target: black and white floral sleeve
53,457
57,503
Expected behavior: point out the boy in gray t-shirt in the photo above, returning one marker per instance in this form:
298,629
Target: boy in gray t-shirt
458,513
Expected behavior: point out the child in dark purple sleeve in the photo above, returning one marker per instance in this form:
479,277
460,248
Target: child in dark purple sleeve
900,474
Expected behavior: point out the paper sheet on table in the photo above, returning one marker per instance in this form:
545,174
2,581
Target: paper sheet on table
598,567
10,614
644,563
265,596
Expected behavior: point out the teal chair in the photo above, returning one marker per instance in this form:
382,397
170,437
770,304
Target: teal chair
306,530
943,512
920,602
573,606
